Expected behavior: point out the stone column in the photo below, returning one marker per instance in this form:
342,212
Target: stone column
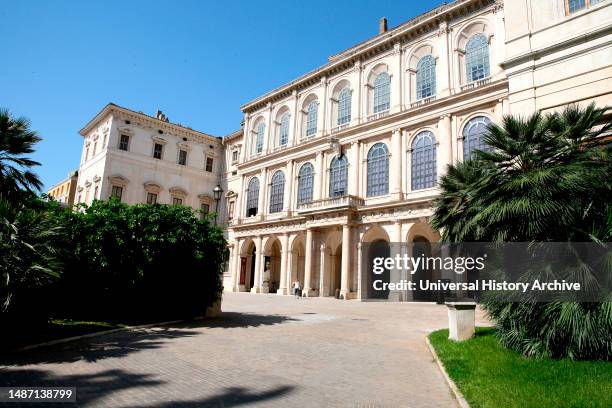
322,113
308,263
318,190
236,266
282,290
322,273
404,162
263,188
354,169
288,194
396,79
268,142
240,201
396,249
358,113
444,147
259,259
245,139
296,116
360,288
395,178
443,67
346,261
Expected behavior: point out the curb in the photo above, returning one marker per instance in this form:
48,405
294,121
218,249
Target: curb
96,334
456,393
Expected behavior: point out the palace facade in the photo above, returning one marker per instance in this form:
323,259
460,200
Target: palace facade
350,153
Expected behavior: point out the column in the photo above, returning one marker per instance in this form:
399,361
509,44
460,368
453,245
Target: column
288,194
323,288
396,79
268,143
245,139
354,169
499,40
396,249
258,265
236,266
445,149
296,116
282,290
404,162
444,68
231,264
360,277
322,113
239,210
263,188
358,116
308,263
395,178
318,190
346,261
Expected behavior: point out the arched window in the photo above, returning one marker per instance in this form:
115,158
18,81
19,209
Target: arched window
344,106
426,77
305,183
473,136
252,197
338,175
277,190
283,135
382,92
477,58
259,137
378,170
311,118
423,161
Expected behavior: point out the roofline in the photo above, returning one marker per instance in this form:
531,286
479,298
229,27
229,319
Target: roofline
114,107
233,135
347,56
70,176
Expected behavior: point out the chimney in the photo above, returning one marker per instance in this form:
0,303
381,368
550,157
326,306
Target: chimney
382,25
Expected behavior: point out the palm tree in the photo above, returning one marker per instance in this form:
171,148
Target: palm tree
16,141
546,179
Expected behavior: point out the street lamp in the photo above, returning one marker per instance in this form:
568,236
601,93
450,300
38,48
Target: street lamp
217,191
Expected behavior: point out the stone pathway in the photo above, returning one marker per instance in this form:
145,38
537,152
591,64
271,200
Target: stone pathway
265,350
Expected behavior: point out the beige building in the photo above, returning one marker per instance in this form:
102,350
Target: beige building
64,192
351,152
147,159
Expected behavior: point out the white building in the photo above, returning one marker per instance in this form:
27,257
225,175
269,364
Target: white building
350,153
143,159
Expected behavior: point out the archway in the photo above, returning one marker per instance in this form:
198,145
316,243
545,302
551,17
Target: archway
297,262
421,248
272,265
336,270
375,245
247,266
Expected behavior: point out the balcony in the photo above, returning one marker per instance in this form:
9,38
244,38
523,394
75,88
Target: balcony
339,128
347,201
422,102
378,115
476,84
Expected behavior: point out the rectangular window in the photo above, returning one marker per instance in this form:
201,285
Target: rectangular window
123,142
235,156
230,210
177,201
209,164
151,198
157,151
182,160
573,6
117,192
204,208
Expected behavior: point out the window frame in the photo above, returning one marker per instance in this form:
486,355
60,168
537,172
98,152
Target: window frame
121,142
156,153
479,142
377,171
587,4
338,176
423,158
252,197
474,57
381,98
422,76
305,187
114,190
283,129
277,192
151,198
312,116
208,165
344,106
182,157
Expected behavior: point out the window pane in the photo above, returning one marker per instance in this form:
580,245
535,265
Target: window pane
382,93
473,136
252,197
426,77
117,192
424,161
151,198
182,157
157,151
123,143
344,106
209,164
305,183
477,58
177,201
284,130
338,175
378,170
277,189
259,137
311,119
575,5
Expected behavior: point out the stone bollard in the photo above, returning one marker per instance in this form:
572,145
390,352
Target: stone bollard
461,319
214,310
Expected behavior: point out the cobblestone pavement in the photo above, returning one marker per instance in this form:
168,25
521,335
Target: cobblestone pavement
265,350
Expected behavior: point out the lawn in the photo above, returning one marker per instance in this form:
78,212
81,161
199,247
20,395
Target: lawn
490,375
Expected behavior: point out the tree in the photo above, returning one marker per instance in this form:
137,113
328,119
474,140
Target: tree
547,179
16,141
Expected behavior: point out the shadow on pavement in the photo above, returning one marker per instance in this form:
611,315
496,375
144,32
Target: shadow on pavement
120,344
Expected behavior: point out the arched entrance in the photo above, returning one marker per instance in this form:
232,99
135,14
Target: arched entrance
422,248
375,244
246,279
272,266
336,270
297,262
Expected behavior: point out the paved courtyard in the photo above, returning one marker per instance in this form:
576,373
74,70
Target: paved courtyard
265,350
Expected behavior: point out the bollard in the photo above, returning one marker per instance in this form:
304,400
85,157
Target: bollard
461,319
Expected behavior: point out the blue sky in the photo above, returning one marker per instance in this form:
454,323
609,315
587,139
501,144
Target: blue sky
197,61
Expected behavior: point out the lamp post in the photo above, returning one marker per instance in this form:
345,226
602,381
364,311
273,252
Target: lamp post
217,191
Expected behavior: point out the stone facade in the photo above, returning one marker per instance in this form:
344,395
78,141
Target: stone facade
276,239
64,192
